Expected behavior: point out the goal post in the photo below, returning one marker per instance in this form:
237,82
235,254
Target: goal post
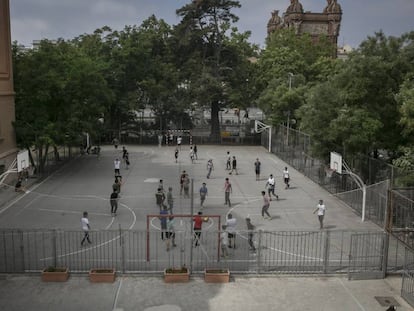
206,218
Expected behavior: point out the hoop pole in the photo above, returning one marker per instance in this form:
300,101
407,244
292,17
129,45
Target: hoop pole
270,138
361,185
364,201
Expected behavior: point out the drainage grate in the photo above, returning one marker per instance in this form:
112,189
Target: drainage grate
387,301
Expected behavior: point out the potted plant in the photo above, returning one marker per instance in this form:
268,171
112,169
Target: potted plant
102,275
216,275
176,275
55,274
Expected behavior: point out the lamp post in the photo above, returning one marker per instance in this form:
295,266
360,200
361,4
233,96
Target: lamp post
101,121
288,127
140,127
291,75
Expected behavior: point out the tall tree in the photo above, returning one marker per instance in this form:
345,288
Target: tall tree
202,30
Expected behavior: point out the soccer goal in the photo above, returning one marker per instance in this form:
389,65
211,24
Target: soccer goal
212,224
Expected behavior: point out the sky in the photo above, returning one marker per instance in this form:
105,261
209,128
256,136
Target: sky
52,19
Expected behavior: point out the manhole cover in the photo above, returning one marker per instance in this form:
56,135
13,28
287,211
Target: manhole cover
387,301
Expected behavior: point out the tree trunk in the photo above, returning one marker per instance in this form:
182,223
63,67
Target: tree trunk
215,122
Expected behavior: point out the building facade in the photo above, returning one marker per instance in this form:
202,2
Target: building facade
316,25
8,149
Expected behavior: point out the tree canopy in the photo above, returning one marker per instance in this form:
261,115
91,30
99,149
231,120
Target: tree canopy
355,106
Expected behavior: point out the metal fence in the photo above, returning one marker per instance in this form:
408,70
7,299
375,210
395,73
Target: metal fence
389,204
294,147
129,251
407,288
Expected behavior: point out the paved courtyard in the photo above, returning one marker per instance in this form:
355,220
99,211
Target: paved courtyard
85,185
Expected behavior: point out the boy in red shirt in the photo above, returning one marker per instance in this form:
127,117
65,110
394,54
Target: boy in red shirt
198,223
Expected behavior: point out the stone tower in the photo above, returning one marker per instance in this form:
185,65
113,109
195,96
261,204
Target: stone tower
8,149
316,24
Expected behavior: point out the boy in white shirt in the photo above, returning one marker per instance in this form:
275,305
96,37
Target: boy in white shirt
85,227
286,177
224,241
231,229
320,208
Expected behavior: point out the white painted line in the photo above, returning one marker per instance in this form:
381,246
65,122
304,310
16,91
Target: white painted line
101,244
352,295
68,212
117,295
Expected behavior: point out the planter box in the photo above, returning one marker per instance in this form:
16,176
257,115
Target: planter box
178,275
216,276
55,274
102,275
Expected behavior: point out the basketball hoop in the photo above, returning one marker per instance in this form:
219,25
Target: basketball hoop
329,172
260,126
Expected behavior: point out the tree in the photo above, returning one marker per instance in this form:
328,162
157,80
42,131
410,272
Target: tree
405,99
60,93
361,99
289,65
203,30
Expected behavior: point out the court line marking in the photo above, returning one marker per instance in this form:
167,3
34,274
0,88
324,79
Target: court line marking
101,244
283,252
29,191
67,212
117,295
352,295
34,187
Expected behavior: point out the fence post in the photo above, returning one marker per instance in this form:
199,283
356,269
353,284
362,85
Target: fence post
326,252
54,248
122,244
388,223
259,251
21,250
386,241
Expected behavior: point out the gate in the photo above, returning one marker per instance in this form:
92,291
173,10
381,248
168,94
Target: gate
367,256
407,288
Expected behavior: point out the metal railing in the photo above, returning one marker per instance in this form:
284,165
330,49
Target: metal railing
287,252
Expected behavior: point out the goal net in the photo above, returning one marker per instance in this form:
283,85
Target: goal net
183,227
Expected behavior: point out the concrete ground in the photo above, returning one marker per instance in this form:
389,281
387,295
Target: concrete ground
141,293
85,184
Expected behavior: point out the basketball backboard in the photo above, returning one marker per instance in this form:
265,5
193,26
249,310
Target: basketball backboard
260,126
336,162
23,160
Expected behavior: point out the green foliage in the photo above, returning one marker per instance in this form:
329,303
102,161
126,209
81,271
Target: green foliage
60,93
217,66
359,105
405,99
177,270
289,65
